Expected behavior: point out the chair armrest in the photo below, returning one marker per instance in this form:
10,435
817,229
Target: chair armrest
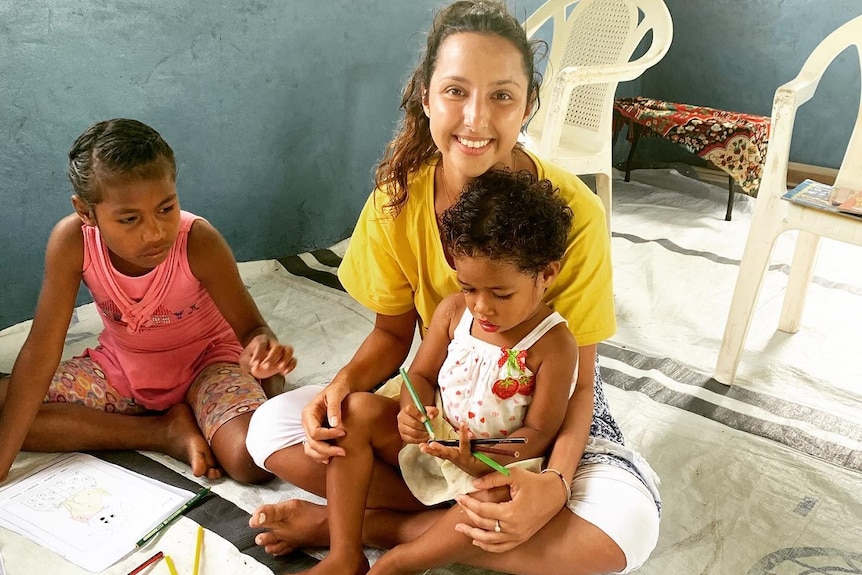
788,98
613,72
577,75
567,79
797,91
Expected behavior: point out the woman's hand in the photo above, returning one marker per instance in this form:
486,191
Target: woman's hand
321,419
264,357
536,499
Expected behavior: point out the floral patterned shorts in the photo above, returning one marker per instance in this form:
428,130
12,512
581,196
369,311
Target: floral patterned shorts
219,393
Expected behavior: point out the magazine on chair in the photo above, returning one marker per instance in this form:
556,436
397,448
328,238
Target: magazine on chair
823,197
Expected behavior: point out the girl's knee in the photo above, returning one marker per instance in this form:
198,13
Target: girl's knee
228,445
361,407
242,468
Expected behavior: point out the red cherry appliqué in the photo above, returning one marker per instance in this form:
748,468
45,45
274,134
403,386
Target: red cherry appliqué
526,384
505,388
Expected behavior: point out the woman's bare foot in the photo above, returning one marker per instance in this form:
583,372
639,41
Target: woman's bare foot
185,442
289,525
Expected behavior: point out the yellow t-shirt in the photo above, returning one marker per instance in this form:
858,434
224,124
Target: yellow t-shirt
393,265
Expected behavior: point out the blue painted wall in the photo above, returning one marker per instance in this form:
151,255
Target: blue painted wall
278,110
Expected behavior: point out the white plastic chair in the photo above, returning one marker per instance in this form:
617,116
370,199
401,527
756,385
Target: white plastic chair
590,54
772,216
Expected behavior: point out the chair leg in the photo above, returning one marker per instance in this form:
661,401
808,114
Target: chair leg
603,190
801,272
727,215
635,130
755,260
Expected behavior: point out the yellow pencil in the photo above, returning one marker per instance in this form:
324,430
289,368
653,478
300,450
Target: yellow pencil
198,547
170,563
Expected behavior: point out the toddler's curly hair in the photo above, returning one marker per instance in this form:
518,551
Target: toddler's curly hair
513,217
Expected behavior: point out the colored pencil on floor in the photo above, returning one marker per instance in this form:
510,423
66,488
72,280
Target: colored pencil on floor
198,547
146,563
170,563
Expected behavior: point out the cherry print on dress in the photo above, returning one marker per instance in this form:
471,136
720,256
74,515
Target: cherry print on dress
516,382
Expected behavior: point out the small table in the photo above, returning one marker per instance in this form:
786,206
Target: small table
731,141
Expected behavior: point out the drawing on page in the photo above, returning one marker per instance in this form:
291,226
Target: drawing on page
87,510
78,495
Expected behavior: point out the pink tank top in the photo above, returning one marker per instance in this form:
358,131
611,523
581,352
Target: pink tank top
161,328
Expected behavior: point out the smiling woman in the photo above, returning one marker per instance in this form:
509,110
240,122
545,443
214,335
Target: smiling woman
464,106
475,109
496,354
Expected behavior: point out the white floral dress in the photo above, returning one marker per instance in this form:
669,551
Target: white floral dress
487,386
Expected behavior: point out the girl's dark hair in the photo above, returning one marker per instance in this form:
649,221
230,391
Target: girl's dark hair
512,217
117,148
412,144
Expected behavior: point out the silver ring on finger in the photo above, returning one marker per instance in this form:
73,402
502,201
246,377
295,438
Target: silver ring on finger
497,528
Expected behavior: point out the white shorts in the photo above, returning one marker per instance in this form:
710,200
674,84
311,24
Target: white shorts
278,423
621,506
610,498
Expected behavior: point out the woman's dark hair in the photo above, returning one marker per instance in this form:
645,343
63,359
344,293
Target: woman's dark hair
412,144
117,148
512,217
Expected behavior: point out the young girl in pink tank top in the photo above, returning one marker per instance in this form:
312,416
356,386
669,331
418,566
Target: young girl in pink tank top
183,342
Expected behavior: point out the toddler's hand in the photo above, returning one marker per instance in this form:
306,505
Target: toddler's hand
264,357
461,456
410,424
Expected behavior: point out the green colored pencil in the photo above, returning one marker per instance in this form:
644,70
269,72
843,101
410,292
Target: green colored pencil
173,516
415,397
491,463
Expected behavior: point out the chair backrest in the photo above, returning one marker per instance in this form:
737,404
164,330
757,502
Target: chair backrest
596,35
790,96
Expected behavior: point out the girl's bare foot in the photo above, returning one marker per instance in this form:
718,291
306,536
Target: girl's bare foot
289,525
185,442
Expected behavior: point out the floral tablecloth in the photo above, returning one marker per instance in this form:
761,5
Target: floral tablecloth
733,142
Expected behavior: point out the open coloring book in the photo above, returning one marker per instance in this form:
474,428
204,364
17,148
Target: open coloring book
87,510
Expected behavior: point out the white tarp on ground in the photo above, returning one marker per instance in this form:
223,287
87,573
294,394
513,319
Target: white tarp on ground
742,492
